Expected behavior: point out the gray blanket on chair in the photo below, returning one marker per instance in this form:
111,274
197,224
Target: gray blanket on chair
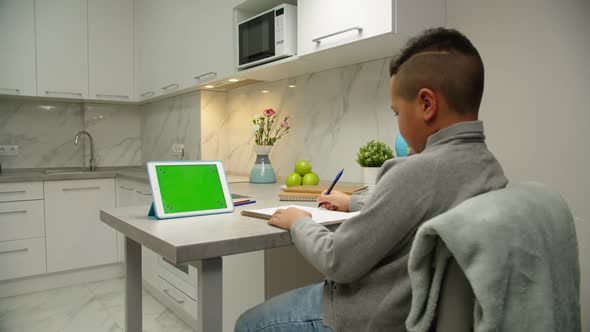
518,249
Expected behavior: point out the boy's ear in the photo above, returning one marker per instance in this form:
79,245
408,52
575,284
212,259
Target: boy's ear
428,104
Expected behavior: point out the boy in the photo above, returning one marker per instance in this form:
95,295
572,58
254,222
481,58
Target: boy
436,89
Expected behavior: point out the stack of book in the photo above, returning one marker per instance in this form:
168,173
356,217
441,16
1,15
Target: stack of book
311,193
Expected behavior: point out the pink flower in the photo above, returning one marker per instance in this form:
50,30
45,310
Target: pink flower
286,124
269,112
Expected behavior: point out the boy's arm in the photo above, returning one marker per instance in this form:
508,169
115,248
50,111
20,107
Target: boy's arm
401,199
357,202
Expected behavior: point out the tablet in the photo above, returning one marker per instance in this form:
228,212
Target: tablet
189,188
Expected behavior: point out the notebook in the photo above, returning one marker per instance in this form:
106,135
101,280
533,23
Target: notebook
318,215
311,193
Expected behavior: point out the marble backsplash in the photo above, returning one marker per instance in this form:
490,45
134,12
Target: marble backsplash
174,120
44,132
331,113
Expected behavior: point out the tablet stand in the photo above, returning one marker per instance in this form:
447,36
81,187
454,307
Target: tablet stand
152,212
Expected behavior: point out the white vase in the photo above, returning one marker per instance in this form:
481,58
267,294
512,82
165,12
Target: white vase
370,175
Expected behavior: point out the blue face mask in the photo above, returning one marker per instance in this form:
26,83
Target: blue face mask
401,147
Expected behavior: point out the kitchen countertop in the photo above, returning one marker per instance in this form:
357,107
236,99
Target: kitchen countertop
137,173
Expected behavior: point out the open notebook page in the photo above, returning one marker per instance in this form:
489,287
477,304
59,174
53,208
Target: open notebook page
317,214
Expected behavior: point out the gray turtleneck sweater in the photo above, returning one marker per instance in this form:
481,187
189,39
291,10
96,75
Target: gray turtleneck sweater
365,260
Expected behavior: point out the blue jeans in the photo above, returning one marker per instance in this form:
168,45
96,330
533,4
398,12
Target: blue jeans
296,310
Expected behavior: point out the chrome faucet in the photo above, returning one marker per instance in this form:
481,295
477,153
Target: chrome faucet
92,160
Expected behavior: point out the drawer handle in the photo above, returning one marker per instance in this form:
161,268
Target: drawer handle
319,39
63,93
81,188
17,91
206,74
13,212
100,95
147,94
169,86
123,187
167,292
142,193
13,192
14,250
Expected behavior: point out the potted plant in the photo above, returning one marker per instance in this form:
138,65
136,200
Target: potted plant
371,157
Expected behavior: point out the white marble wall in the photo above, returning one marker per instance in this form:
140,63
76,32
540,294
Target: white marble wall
44,132
116,130
169,121
331,113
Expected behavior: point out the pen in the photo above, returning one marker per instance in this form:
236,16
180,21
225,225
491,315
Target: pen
244,202
333,184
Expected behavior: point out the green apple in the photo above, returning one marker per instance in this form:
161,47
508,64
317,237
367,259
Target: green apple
293,180
311,179
302,167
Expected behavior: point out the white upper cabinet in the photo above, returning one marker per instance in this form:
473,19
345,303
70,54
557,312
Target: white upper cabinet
62,48
210,41
328,23
17,47
160,53
110,49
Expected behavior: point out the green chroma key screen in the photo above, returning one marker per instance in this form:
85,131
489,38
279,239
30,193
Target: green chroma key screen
187,188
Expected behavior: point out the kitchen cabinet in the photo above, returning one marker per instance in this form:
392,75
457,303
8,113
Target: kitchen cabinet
328,23
155,50
210,58
22,230
110,50
75,236
17,48
182,44
130,193
62,48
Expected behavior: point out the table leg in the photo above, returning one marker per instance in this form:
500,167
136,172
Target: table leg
210,294
133,316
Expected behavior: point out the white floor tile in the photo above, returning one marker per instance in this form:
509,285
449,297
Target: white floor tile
93,307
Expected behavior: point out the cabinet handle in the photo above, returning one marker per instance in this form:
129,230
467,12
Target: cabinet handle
206,74
102,95
17,91
167,87
63,93
147,94
167,292
14,250
13,192
319,39
81,188
13,212
123,187
142,193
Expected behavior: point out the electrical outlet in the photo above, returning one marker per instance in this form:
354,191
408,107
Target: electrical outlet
177,148
8,150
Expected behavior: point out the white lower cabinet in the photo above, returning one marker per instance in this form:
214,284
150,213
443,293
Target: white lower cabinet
76,238
22,230
22,258
130,193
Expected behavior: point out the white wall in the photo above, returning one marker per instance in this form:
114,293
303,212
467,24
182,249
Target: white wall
537,59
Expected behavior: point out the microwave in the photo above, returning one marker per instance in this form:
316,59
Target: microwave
269,36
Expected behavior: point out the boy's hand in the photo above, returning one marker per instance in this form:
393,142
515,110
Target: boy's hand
286,218
336,201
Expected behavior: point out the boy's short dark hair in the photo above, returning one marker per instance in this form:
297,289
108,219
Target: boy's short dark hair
443,60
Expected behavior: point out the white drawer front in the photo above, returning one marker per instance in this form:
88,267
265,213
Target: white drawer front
178,298
21,191
21,220
185,282
22,258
